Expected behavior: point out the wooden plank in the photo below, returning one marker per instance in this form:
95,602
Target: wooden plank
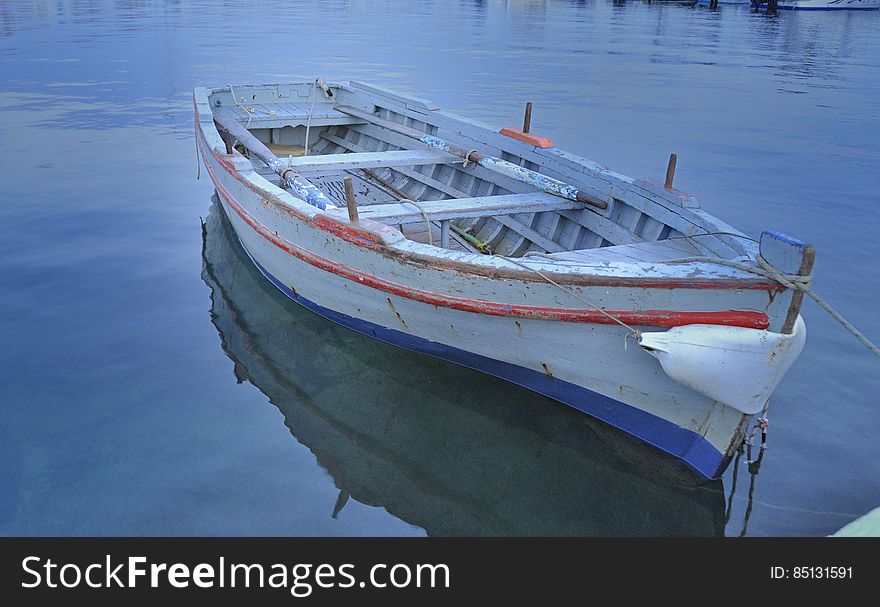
369,160
784,252
277,122
644,252
426,111
524,230
608,230
457,208
278,115
652,228
407,101
672,218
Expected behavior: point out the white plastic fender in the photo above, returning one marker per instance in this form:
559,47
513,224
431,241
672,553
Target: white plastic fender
736,366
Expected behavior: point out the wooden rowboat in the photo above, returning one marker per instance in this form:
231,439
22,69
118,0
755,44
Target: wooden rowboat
497,251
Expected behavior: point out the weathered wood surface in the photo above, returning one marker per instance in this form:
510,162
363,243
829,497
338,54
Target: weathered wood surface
368,160
533,235
784,253
275,115
350,201
664,250
457,208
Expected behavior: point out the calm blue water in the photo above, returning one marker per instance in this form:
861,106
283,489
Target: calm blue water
151,385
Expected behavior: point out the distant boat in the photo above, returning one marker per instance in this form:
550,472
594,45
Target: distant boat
436,445
823,5
492,249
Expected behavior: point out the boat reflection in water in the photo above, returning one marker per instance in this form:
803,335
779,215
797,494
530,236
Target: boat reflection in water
443,447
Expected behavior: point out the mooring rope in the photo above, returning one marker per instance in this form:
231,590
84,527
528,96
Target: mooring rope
762,424
467,158
424,216
799,283
735,466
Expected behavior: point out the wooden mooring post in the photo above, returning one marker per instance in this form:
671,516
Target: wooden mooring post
527,119
797,298
350,202
670,171
772,6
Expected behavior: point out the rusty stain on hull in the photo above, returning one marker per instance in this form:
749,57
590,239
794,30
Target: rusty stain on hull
396,313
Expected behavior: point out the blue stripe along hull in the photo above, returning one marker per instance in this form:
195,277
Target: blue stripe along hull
686,445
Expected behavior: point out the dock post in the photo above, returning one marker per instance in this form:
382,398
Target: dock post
350,202
713,3
670,171
772,6
527,119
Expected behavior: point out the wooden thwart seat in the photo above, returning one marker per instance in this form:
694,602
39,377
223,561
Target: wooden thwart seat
279,115
460,208
338,163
